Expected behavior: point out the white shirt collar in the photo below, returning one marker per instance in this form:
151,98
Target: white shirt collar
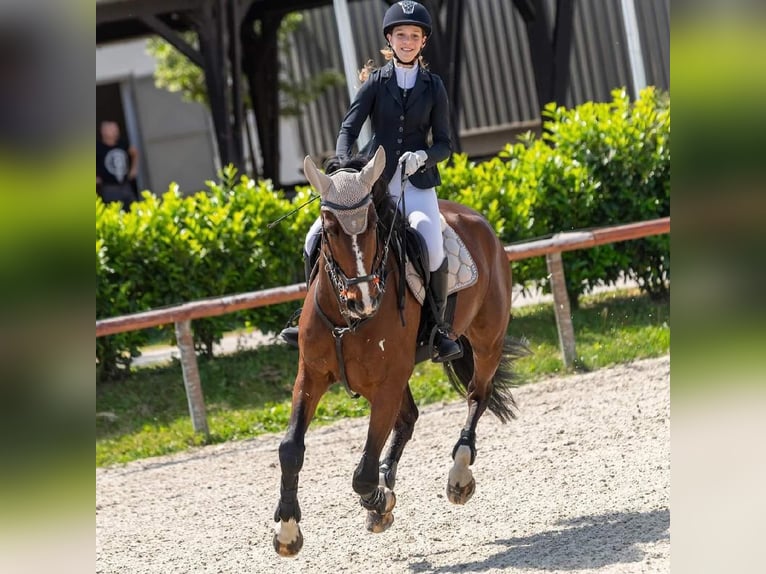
406,77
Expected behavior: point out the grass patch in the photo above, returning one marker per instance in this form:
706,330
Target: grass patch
610,328
248,393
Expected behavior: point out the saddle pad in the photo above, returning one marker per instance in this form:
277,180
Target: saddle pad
462,268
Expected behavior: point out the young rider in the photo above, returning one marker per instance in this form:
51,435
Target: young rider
406,103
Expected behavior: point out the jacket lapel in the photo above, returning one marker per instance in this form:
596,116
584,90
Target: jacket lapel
387,73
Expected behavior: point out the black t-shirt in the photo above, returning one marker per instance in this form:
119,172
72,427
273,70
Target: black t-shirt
112,162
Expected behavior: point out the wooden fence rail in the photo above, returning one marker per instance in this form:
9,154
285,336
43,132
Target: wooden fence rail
551,248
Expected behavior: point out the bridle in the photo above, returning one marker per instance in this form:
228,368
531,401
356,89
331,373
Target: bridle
342,282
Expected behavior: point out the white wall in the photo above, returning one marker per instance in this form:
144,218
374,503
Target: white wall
115,62
176,138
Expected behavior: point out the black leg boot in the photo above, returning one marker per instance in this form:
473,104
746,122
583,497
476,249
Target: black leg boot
445,349
290,334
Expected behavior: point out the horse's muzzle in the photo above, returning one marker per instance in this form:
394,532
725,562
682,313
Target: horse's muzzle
359,309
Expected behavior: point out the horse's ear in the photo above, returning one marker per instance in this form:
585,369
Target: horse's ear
316,178
374,168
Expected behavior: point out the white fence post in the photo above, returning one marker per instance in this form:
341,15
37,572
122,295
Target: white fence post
191,377
561,308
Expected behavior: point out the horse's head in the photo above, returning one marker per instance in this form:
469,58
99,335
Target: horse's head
350,246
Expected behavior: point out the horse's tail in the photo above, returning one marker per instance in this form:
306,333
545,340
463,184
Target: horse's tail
501,401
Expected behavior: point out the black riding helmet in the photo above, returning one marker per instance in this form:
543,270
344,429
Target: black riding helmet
407,12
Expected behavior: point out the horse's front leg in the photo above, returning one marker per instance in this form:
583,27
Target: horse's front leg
378,500
306,394
405,424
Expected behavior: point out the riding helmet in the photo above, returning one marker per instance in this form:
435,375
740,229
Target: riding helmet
407,12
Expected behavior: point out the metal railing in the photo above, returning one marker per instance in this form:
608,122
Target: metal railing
182,314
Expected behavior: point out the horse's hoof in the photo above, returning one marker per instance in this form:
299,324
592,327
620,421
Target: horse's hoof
461,494
289,540
378,523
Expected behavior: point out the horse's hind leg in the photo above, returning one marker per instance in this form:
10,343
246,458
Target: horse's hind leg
461,484
405,424
378,500
289,540
476,371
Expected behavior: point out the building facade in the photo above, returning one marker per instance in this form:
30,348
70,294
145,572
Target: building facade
614,43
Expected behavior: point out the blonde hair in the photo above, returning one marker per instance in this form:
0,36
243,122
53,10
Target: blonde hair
369,66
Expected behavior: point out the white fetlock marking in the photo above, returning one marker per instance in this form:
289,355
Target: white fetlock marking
463,455
390,499
460,474
288,531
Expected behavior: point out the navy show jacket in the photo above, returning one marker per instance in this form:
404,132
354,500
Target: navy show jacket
400,126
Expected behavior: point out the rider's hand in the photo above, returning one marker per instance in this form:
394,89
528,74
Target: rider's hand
412,161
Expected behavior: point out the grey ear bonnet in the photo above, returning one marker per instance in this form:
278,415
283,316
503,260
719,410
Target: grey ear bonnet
346,193
348,199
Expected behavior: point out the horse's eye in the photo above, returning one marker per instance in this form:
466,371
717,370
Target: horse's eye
331,227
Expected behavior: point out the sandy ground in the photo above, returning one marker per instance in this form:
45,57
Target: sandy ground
579,483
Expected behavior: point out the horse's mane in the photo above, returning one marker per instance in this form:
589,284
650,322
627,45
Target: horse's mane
384,205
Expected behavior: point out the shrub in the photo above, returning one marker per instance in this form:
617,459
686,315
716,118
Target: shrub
626,149
597,164
172,249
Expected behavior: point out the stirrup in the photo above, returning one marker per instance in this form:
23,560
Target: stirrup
290,336
290,333
445,349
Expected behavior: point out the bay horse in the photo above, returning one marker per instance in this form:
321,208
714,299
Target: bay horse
356,329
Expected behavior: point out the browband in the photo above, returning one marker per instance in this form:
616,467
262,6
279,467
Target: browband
336,206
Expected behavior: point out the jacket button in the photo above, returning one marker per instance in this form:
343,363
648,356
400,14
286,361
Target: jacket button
399,140
398,152
401,118
401,129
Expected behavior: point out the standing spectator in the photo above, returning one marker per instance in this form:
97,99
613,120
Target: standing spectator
116,166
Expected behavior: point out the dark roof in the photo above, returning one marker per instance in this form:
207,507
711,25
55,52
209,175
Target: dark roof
118,20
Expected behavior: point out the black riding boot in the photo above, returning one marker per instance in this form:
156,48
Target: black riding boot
445,349
290,334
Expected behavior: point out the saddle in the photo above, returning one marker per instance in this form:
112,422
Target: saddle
462,268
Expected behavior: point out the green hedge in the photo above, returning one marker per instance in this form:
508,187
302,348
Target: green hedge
597,164
172,249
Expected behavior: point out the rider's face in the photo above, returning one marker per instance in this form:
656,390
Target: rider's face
407,42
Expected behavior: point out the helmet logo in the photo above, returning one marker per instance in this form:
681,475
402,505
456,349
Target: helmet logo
408,6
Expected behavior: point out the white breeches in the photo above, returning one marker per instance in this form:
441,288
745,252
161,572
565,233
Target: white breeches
422,211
